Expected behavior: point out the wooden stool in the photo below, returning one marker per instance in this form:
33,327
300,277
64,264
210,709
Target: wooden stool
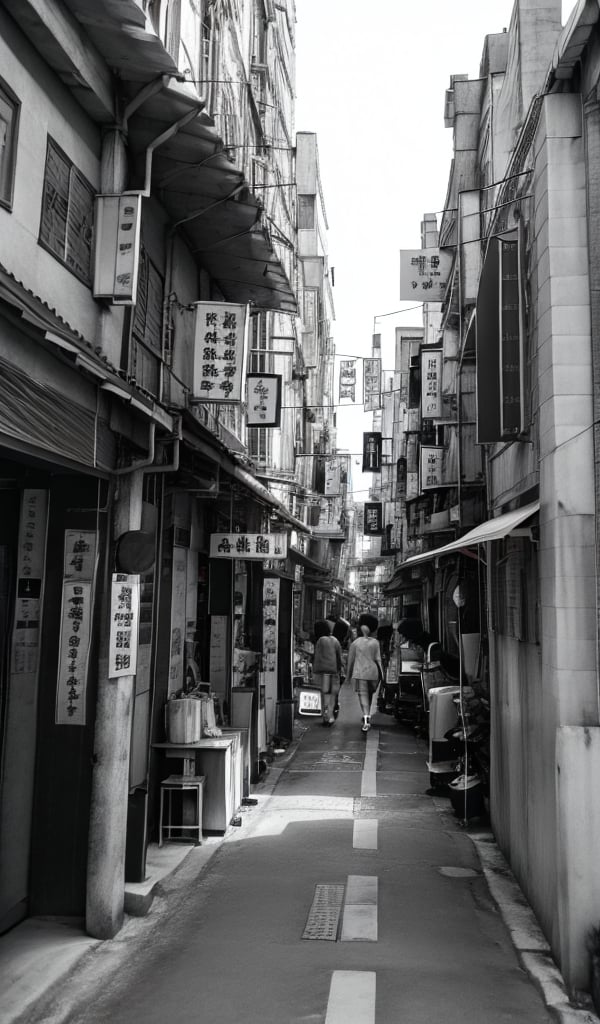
180,784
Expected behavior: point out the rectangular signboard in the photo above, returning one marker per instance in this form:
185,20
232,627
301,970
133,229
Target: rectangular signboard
260,546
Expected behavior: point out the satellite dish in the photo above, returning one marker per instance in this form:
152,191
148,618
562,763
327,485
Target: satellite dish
135,551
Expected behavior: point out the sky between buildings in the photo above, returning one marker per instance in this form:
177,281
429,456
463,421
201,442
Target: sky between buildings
371,81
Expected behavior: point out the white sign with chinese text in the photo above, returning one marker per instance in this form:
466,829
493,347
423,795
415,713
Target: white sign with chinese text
124,623
372,384
431,383
80,554
348,379
249,545
333,476
74,651
219,351
424,274
432,467
263,399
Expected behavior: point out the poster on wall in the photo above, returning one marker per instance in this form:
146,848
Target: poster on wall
79,571
263,399
30,574
271,588
124,623
219,351
219,639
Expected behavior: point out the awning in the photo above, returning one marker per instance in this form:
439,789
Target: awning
204,192
492,529
308,563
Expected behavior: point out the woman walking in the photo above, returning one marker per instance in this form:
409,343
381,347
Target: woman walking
365,667
327,665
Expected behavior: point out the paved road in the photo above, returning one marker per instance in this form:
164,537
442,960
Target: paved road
391,877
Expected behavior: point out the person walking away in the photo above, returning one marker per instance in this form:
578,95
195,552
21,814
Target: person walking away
327,666
365,666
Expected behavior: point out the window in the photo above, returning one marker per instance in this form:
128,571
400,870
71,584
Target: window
66,226
9,118
146,352
514,574
306,211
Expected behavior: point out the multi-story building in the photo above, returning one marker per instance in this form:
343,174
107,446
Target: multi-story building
147,226
518,584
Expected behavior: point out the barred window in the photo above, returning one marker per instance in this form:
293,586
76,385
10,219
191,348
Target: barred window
67,219
146,331
9,118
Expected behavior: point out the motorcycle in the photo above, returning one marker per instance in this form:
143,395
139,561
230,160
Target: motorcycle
469,743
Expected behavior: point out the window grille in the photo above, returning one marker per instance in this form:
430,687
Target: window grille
67,219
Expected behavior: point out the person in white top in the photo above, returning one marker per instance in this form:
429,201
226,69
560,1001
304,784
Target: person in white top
365,667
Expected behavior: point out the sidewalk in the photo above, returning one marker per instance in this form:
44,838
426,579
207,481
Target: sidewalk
40,958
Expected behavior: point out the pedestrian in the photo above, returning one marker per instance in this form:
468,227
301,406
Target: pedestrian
327,666
364,666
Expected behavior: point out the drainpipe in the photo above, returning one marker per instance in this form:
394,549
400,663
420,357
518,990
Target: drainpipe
591,122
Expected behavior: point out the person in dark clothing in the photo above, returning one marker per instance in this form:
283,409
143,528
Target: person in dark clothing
327,667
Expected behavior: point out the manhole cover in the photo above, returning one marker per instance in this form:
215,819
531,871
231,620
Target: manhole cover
324,915
459,872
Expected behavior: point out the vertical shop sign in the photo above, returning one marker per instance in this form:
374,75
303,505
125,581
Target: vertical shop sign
30,574
218,653
372,384
372,447
333,476
271,587
373,521
263,399
219,350
348,379
431,383
124,623
511,341
79,570
432,467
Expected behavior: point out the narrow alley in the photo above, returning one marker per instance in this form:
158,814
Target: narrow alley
348,894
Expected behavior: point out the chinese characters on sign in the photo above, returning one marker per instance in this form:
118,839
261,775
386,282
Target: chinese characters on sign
263,399
373,521
372,384
372,446
79,567
424,274
124,621
249,545
432,465
333,476
348,379
270,630
30,573
219,351
431,383
117,247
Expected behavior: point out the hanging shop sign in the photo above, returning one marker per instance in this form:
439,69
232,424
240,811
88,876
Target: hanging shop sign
333,476
432,466
219,349
424,274
30,574
117,224
124,623
348,379
263,399
372,384
79,570
373,521
259,546
431,383
372,447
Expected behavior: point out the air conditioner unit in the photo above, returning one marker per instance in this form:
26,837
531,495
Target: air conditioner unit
117,228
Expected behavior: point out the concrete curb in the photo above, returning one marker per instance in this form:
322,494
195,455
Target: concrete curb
531,946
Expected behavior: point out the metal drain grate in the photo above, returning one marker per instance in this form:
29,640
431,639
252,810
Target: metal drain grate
324,915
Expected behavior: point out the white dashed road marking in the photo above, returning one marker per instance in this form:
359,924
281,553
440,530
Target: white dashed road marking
365,834
369,776
359,920
351,998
